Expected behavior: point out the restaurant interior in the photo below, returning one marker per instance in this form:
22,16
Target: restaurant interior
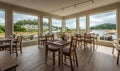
59,35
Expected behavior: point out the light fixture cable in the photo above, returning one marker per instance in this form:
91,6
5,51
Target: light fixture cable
74,5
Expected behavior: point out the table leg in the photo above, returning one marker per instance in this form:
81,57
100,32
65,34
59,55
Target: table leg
11,47
113,50
93,44
46,52
118,57
61,58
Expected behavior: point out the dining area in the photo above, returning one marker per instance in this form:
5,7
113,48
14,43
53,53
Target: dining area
75,53
59,35
64,47
8,46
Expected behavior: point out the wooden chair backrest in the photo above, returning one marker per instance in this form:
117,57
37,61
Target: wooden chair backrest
87,36
41,37
59,34
78,36
73,44
19,40
49,37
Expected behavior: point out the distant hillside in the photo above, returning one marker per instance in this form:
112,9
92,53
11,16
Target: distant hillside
104,26
25,22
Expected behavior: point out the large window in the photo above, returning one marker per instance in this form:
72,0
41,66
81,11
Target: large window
71,26
2,23
56,25
104,24
26,25
82,24
45,26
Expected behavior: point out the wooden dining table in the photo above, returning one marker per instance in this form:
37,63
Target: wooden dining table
8,40
61,44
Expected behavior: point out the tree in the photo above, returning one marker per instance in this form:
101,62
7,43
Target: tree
2,28
104,26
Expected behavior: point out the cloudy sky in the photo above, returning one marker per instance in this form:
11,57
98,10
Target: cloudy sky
56,22
97,19
2,17
19,16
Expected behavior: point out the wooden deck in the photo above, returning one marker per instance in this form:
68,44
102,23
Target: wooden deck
101,59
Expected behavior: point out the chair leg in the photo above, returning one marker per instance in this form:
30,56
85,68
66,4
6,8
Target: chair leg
71,63
84,45
81,44
46,53
20,49
16,51
118,57
53,58
113,51
65,57
59,58
38,43
76,59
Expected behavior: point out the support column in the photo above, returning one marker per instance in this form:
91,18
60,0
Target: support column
77,25
8,23
118,23
40,24
87,24
50,25
63,24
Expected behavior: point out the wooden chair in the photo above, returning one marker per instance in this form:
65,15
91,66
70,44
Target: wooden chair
17,45
41,41
59,34
5,45
87,40
50,48
79,39
117,46
71,51
96,40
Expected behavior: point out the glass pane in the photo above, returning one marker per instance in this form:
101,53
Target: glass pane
45,26
104,24
56,26
2,23
26,25
82,24
71,26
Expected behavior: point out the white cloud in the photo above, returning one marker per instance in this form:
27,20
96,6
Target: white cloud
45,20
2,21
18,16
82,23
57,22
71,23
109,17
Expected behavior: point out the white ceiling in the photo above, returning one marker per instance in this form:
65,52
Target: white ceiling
49,5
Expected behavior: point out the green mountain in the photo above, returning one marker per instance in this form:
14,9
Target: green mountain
104,26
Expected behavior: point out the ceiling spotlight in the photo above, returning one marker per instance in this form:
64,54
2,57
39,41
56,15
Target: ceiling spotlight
92,1
53,11
75,6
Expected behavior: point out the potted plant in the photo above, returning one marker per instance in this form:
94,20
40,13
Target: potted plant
14,35
63,37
